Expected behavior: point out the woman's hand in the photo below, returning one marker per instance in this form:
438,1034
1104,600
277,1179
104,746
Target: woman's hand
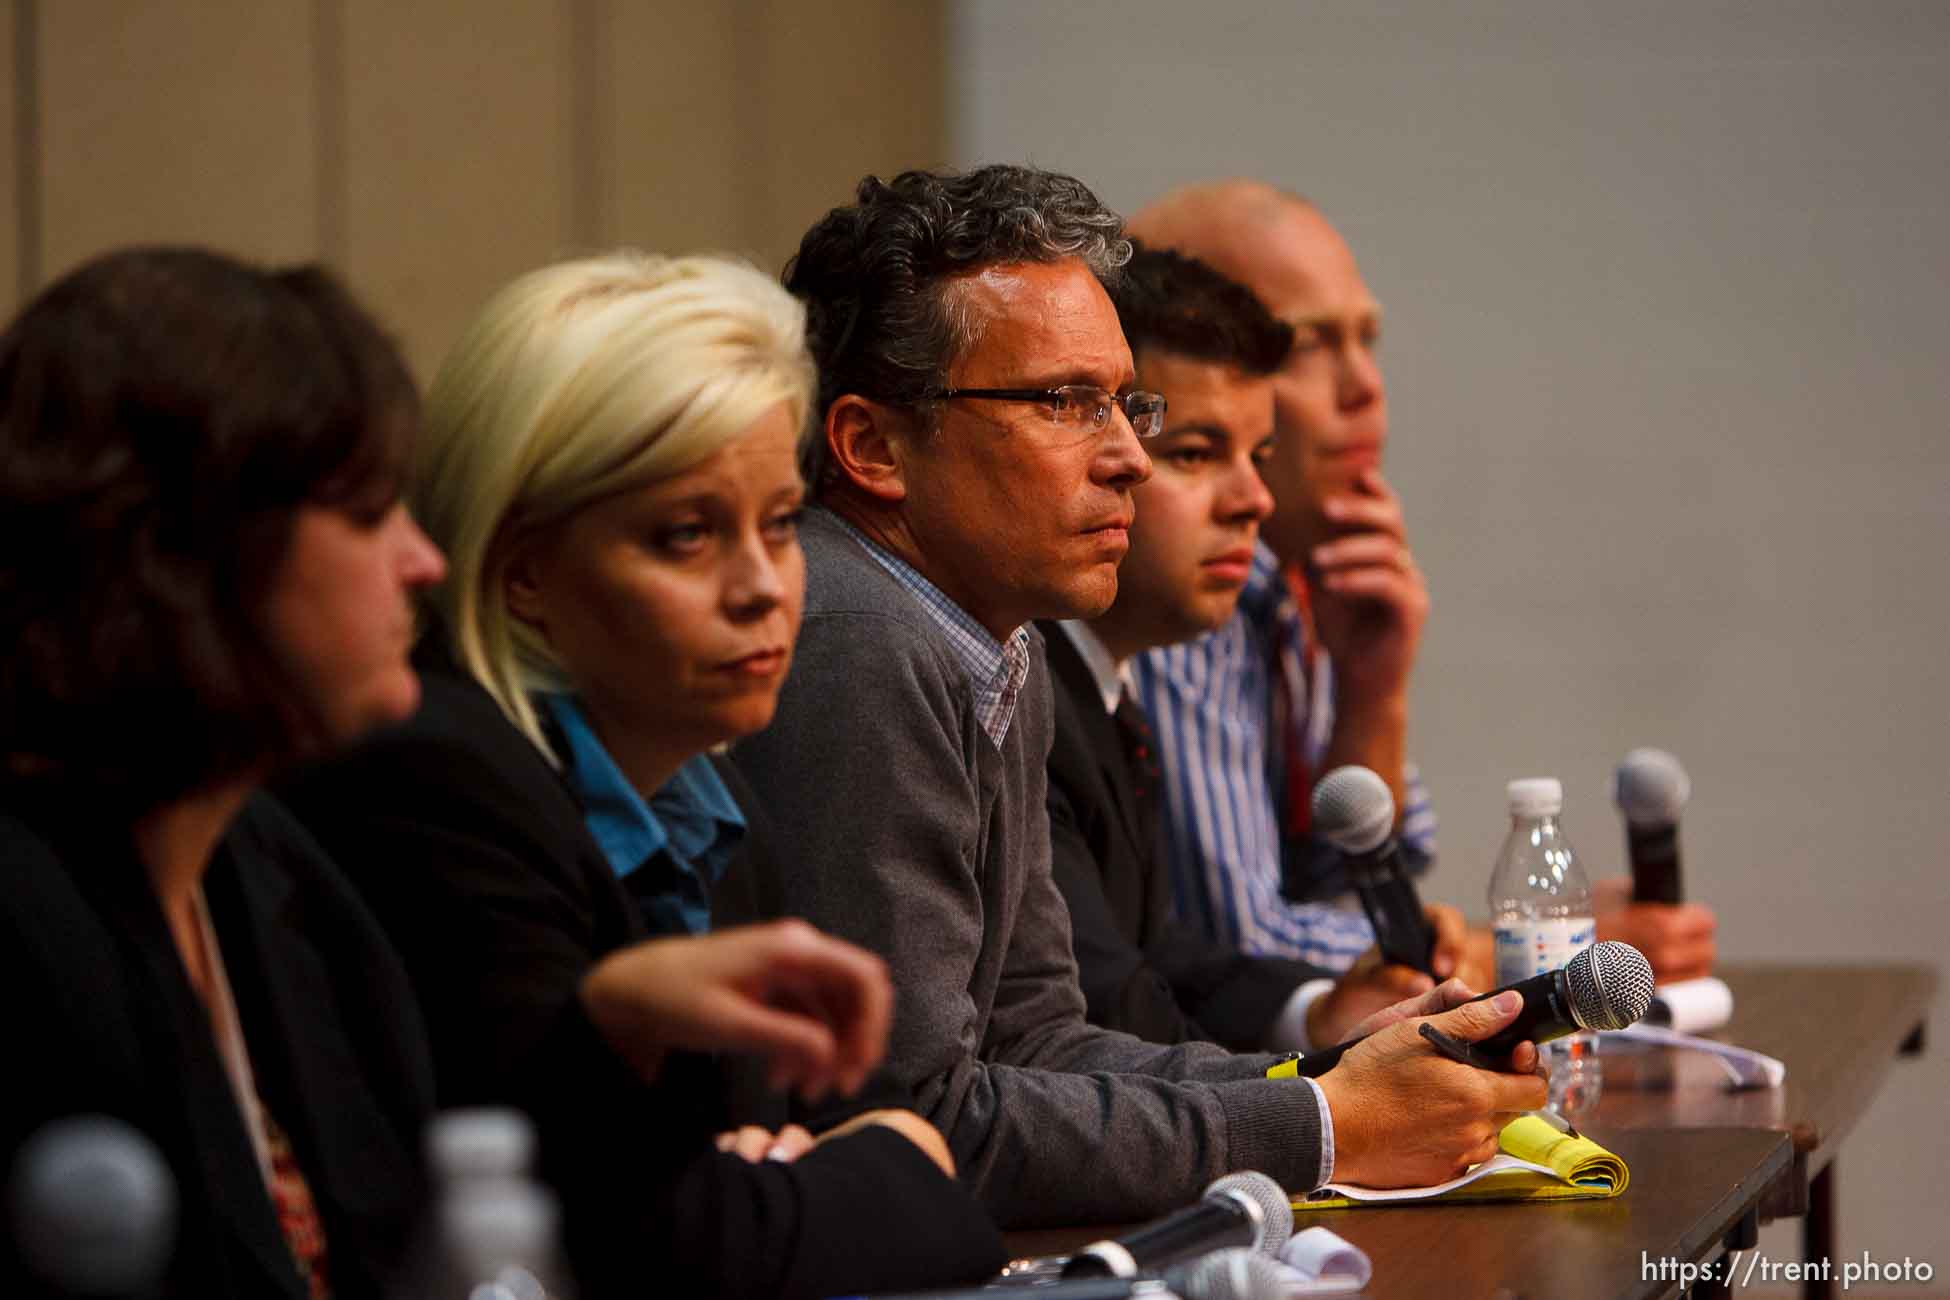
906,1123
752,1143
816,1008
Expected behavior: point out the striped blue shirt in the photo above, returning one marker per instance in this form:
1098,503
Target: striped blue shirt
997,669
1211,704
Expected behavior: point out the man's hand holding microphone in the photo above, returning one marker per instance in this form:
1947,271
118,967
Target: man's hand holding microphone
1404,1114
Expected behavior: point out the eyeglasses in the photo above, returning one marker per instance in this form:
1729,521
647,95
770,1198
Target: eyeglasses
1081,407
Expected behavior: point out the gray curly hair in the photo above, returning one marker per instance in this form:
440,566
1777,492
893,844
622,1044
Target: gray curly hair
875,275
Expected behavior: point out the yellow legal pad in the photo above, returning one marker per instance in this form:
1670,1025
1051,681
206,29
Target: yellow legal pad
1538,1163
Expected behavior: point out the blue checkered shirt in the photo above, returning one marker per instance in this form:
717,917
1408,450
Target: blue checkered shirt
997,669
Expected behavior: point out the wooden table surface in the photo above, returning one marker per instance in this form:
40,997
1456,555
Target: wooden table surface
1837,1029
1700,1156
1688,1188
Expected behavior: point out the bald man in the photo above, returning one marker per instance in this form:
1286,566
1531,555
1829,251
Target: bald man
1313,671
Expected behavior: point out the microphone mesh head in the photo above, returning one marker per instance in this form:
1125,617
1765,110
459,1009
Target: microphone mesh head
1651,787
1353,809
93,1207
1611,985
1275,1210
1235,1274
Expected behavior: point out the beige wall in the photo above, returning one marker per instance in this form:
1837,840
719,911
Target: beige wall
432,148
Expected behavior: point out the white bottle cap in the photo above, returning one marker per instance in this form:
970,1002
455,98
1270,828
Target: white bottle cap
483,1143
1536,796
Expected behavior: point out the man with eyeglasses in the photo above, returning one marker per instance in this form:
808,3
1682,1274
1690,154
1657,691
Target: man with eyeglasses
977,443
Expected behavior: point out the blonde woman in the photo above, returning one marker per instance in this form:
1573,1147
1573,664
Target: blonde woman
609,460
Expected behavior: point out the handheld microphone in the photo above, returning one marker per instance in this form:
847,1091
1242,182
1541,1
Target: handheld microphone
1354,811
93,1207
1236,1274
1243,1209
1605,986
1650,790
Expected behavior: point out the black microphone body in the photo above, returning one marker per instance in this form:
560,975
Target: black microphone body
1244,1208
1606,986
1546,1014
1651,788
1654,853
1354,810
1213,1224
1094,1288
1388,895
1234,1274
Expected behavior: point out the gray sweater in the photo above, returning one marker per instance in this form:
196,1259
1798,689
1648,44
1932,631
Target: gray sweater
911,834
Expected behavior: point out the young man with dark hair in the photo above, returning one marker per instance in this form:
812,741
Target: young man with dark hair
1211,349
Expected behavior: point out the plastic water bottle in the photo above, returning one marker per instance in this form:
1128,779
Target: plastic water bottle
1540,908
496,1226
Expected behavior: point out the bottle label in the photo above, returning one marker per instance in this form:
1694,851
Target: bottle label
1526,948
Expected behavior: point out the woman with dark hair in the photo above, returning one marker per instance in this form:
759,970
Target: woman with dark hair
204,574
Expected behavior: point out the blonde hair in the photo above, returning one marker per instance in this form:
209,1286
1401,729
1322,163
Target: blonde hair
573,383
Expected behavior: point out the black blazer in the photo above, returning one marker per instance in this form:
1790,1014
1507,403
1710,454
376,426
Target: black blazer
1141,971
474,854
102,1019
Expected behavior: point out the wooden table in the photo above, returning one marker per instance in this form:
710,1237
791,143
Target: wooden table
1691,1190
1838,1029
1706,1164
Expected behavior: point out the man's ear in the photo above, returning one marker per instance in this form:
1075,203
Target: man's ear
868,442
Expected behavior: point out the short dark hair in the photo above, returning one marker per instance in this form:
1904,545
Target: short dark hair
164,413
874,275
1173,303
